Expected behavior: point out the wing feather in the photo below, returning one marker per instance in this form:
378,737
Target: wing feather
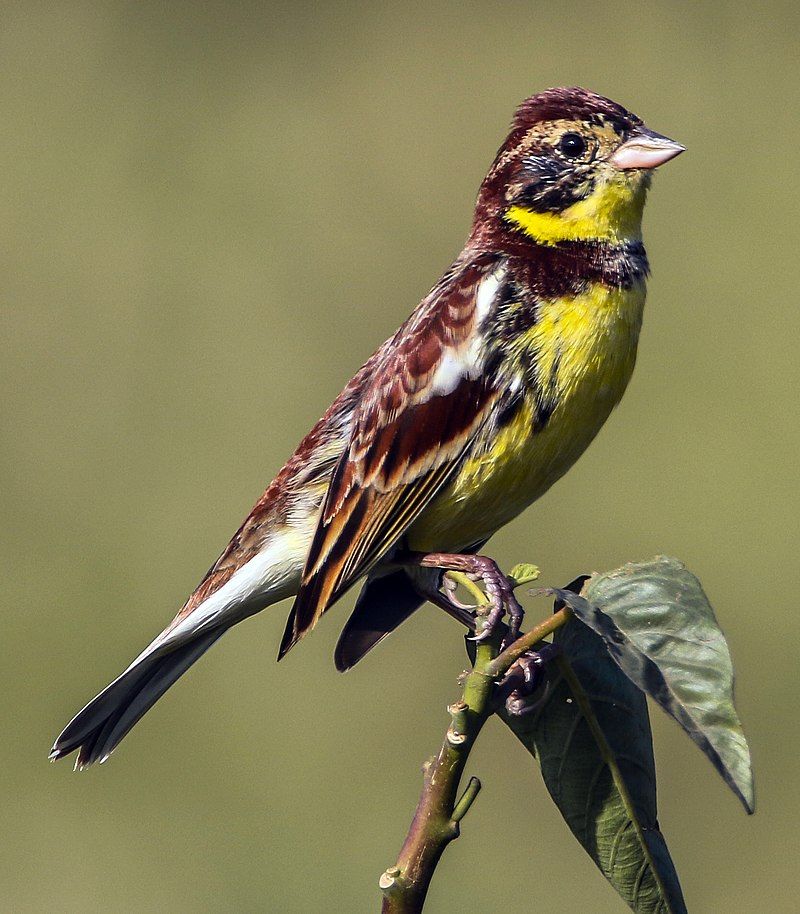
427,398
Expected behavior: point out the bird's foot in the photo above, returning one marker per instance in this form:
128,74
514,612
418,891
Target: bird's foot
499,591
501,601
524,680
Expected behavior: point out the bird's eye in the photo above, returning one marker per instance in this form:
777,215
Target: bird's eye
572,145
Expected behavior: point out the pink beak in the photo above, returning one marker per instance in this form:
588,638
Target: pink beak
645,149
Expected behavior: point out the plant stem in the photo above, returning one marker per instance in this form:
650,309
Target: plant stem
438,814
501,664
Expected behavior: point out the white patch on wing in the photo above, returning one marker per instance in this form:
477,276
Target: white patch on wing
467,362
451,369
487,292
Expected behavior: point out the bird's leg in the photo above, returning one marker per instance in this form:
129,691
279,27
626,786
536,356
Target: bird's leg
499,591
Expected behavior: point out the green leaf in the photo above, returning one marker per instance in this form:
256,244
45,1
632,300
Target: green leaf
591,734
524,573
661,630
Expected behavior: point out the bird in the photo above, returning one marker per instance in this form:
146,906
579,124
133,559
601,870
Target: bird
485,396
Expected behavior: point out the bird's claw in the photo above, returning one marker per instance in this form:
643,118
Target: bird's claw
450,587
502,601
484,620
523,679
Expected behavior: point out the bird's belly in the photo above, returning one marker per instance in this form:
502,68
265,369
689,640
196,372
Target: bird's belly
512,467
494,488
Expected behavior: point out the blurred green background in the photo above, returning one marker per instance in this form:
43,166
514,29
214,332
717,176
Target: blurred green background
211,214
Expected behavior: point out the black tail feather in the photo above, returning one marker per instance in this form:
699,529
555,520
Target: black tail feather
383,604
99,728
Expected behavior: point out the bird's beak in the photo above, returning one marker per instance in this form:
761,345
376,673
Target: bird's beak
645,149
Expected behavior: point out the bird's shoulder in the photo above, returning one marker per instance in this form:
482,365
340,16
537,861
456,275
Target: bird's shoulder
431,368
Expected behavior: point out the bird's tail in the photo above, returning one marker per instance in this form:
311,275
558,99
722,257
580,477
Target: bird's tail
98,729
224,598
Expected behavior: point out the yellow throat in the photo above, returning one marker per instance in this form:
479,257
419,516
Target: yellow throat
613,212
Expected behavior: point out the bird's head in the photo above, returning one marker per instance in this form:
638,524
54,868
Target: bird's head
575,166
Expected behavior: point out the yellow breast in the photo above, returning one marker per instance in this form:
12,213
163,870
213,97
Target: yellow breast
584,349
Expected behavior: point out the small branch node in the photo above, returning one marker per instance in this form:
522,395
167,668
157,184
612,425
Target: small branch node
389,879
455,738
460,725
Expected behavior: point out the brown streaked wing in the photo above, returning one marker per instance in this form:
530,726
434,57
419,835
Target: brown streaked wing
407,440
